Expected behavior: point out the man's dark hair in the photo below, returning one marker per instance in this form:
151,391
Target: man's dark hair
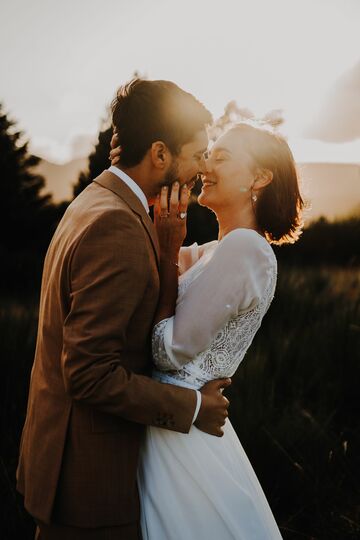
147,111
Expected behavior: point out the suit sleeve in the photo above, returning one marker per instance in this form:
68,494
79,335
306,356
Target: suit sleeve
110,261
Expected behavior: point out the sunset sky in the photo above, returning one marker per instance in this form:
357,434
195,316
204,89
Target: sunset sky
61,62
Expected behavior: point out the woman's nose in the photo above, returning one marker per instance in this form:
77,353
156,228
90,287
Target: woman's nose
207,163
202,165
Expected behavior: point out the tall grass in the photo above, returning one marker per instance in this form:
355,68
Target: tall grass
18,324
294,404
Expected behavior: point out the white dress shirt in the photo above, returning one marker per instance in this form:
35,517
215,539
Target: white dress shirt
136,189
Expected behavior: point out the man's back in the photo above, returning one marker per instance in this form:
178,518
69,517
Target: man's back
87,404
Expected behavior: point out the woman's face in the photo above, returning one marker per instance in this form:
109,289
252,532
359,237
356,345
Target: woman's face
229,174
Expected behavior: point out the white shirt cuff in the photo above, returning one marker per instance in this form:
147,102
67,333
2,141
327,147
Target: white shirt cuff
198,405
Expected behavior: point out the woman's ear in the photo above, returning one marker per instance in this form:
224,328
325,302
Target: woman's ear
160,155
263,177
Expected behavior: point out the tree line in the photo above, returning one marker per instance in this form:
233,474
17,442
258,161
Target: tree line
29,215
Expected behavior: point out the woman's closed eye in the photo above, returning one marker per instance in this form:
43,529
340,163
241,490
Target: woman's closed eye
220,158
218,155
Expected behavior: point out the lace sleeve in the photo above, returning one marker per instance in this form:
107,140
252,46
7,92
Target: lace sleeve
232,282
162,360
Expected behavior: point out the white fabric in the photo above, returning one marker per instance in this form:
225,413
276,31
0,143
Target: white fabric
222,299
135,188
198,405
200,487
197,486
189,255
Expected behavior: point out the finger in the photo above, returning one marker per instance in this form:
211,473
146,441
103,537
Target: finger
222,383
115,152
174,198
157,205
115,155
114,140
184,199
164,201
226,402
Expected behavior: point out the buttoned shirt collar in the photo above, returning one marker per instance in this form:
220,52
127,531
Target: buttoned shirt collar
135,188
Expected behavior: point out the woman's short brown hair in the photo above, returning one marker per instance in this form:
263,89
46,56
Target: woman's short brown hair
147,111
279,206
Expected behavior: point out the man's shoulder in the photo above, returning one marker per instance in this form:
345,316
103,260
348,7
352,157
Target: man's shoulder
95,201
96,209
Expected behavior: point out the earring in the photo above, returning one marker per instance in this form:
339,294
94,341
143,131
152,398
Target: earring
254,197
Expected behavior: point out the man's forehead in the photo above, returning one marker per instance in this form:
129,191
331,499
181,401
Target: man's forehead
198,144
200,141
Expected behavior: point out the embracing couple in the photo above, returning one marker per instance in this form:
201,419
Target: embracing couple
126,434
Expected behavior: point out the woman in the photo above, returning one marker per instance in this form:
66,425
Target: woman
197,486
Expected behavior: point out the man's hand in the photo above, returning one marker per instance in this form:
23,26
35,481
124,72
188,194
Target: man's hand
214,407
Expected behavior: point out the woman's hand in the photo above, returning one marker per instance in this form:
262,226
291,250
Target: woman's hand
170,219
170,223
115,151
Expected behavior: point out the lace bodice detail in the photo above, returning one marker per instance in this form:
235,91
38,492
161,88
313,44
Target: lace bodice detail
228,343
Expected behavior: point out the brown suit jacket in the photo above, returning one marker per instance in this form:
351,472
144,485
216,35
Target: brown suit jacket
90,398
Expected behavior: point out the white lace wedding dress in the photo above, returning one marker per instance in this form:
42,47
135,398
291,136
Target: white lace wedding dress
196,486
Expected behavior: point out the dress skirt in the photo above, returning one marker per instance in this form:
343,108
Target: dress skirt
199,487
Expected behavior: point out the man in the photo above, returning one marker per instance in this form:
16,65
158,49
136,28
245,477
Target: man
90,398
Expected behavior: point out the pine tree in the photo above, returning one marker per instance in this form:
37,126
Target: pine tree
23,207
98,161
28,217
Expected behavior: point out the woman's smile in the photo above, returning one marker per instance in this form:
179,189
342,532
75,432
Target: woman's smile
206,183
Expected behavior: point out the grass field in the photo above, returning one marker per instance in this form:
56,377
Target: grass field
294,404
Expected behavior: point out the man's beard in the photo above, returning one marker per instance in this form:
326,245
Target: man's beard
172,174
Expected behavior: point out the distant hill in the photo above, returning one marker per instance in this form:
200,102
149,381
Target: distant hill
60,178
333,189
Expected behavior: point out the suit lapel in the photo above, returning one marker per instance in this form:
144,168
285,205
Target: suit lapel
116,185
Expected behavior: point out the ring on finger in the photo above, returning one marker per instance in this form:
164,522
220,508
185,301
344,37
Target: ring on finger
182,215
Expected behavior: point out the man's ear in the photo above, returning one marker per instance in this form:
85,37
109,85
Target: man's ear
160,155
263,177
